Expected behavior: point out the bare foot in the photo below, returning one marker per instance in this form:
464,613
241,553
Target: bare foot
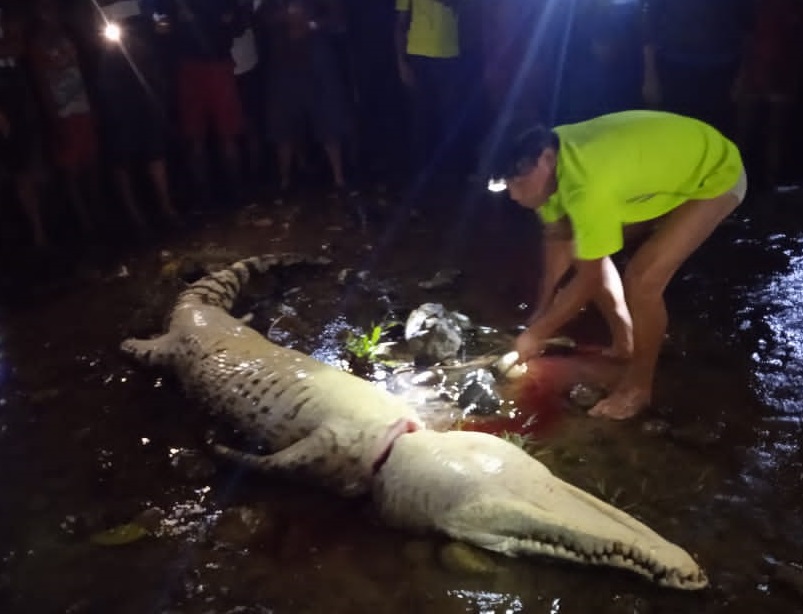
621,405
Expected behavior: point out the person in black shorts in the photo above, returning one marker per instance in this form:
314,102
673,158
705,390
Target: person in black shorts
305,87
131,103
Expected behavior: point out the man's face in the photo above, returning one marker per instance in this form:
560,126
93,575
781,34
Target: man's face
532,188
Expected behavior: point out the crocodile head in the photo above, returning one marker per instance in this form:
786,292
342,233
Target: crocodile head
483,490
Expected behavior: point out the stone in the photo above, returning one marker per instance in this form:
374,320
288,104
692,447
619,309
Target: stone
478,393
434,334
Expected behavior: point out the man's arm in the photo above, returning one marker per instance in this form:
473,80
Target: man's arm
563,307
557,257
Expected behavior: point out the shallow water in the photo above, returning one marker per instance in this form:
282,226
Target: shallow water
88,441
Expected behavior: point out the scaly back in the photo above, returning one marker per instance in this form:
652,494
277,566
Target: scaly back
220,289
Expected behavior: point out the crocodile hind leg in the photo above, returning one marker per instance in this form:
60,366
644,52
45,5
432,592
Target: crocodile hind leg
319,453
155,352
292,458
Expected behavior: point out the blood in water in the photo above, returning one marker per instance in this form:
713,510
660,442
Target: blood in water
538,409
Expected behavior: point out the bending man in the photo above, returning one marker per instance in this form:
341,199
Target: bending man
671,178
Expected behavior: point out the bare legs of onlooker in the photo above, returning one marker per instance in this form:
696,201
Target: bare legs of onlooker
233,168
306,91
287,154
157,173
122,179
200,169
157,169
334,153
253,162
82,188
199,173
25,185
208,99
250,86
432,115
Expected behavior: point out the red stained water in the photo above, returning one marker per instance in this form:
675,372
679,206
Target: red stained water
539,408
539,398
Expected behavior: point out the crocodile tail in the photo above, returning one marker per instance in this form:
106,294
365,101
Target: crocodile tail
220,289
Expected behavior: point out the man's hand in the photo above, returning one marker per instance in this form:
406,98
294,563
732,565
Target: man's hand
529,344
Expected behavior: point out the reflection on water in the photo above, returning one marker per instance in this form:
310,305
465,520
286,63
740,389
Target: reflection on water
772,312
777,305
328,346
485,602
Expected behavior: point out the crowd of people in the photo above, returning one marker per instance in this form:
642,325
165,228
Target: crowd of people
224,102
191,91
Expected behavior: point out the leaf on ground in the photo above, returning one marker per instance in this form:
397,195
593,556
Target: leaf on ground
119,536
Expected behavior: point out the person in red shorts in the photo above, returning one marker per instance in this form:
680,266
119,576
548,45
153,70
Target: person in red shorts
203,32
73,140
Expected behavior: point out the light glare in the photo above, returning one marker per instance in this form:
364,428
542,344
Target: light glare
112,32
497,185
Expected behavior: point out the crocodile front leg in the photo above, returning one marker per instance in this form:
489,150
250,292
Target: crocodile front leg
157,352
324,452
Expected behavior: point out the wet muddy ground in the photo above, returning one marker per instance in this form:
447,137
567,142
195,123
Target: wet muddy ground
110,502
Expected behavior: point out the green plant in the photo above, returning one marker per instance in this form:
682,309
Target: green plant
366,346
525,442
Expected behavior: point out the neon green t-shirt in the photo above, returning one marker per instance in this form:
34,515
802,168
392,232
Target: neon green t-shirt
631,167
433,28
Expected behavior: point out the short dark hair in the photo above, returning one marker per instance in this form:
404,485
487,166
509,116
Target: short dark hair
517,153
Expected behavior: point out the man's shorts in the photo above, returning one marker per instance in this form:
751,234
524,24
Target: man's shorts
250,88
207,94
302,101
75,144
739,190
640,229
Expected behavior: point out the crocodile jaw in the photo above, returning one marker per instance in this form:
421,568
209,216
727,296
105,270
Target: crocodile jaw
483,490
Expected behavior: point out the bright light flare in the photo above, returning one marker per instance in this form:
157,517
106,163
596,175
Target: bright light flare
112,32
497,185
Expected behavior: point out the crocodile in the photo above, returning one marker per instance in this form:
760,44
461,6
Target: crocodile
318,420
355,438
